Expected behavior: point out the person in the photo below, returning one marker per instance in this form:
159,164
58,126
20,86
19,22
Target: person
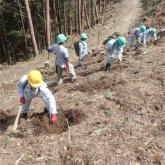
138,36
31,85
114,49
151,34
82,48
62,59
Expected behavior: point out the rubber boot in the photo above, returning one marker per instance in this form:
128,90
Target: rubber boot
45,110
24,115
107,67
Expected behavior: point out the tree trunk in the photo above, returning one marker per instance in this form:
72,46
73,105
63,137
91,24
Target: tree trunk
82,15
7,54
104,6
79,16
86,14
44,27
22,21
99,6
96,11
76,27
69,17
35,47
58,16
56,29
47,23
93,19
64,13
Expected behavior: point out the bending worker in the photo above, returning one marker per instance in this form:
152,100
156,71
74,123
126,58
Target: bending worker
138,36
31,86
113,50
151,34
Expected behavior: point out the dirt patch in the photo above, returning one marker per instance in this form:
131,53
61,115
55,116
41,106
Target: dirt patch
5,120
38,123
97,85
73,155
41,124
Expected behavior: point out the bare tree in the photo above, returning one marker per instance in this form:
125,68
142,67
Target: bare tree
76,15
47,23
64,13
35,47
79,15
82,14
86,14
56,29
58,16
66,16
5,45
69,17
96,11
22,21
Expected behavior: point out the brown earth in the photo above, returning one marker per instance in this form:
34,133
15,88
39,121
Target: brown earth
114,117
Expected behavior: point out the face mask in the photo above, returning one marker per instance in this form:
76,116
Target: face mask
33,88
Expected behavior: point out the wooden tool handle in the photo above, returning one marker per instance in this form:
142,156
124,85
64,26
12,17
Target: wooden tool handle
17,118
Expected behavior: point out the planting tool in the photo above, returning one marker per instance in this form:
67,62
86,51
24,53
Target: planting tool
17,119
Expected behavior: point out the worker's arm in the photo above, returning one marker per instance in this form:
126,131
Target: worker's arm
119,53
49,99
20,85
80,50
144,38
20,88
50,102
109,48
66,55
155,37
52,48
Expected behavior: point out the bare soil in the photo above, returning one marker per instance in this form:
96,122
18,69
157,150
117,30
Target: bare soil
105,118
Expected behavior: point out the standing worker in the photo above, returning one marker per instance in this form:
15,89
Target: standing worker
113,50
32,85
138,36
82,49
62,59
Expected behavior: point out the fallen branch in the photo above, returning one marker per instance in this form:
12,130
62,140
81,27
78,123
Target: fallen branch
44,158
100,131
3,91
40,159
69,134
16,163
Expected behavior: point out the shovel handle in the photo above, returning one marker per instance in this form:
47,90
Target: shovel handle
48,55
17,118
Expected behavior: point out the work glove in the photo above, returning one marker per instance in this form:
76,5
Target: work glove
53,119
48,50
22,100
65,67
